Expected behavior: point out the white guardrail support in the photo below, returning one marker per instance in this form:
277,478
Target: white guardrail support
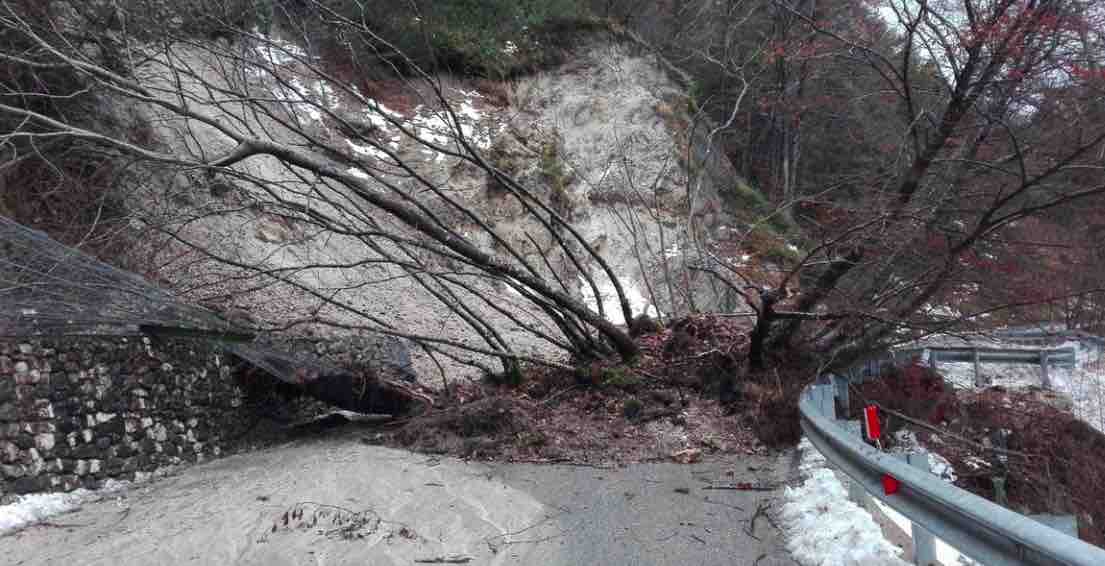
979,529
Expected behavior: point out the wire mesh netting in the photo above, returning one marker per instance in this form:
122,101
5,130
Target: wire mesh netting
47,288
50,289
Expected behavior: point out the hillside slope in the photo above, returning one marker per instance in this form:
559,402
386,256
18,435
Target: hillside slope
602,138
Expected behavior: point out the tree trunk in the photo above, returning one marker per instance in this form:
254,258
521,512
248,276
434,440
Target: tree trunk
764,321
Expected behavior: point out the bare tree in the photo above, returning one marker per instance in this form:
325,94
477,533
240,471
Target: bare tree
261,122
977,153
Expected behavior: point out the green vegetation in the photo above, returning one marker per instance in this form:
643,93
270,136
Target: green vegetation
500,157
555,174
621,378
781,253
632,408
744,197
487,38
694,95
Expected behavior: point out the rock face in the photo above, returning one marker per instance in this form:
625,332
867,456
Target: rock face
77,411
603,140
385,356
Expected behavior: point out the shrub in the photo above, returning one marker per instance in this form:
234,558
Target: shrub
620,378
512,376
632,408
502,157
782,253
556,175
489,38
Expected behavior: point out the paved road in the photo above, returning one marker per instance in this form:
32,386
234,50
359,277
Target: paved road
350,503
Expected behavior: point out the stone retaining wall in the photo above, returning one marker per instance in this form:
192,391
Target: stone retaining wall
76,411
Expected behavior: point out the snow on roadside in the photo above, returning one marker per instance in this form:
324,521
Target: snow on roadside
939,466
945,554
34,508
824,528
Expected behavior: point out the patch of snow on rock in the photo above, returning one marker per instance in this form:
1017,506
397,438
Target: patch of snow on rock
366,150
277,51
609,296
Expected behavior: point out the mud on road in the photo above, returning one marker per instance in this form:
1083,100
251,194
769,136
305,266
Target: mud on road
338,500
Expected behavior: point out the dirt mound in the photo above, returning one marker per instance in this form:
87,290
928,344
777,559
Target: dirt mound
1051,461
688,393
914,390
1055,466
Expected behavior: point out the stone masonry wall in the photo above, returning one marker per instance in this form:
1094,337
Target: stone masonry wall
77,411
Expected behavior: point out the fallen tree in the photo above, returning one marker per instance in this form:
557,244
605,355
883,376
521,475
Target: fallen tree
974,139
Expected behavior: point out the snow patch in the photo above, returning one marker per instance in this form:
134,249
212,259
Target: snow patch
945,554
366,150
276,51
824,528
941,467
941,311
34,508
609,296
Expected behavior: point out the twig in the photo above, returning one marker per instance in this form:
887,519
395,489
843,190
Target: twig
444,560
563,461
742,487
60,525
760,512
669,537
937,430
657,414
723,504
558,394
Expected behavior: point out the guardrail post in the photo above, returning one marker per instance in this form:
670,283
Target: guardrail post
999,490
924,544
842,385
979,380
856,493
934,363
825,400
1044,379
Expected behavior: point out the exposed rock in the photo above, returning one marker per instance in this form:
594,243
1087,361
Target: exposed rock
687,456
44,442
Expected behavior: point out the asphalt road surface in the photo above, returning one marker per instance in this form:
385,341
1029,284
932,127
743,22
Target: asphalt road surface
336,500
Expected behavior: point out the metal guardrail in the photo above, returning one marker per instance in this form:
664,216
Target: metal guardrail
979,529
1046,334
1044,357
1054,356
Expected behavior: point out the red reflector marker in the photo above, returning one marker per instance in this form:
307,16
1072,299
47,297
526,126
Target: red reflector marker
890,484
871,422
